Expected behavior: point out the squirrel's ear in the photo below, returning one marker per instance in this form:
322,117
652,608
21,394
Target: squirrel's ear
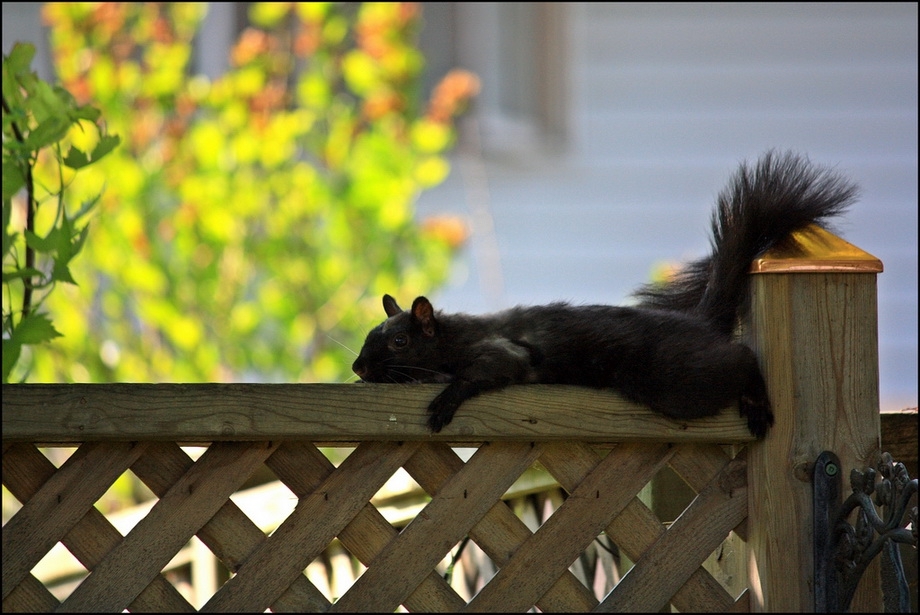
390,306
424,313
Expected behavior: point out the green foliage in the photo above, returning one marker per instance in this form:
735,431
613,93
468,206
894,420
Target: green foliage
39,242
248,225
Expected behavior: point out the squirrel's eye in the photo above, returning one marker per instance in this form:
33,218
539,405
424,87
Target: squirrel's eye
401,340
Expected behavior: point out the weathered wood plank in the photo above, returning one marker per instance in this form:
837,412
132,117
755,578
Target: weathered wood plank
899,437
460,503
25,470
500,532
30,596
179,514
817,338
230,534
302,468
696,463
59,504
318,518
535,566
637,528
60,413
662,569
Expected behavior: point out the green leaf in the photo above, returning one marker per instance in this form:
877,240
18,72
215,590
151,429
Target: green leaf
8,238
61,271
34,329
87,206
76,158
85,112
25,272
106,144
15,68
49,243
13,179
52,130
51,102
65,250
19,60
11,351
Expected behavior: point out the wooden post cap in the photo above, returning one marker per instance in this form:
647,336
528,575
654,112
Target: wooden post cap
815,250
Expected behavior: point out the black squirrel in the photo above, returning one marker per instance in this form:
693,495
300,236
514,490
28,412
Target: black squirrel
673,351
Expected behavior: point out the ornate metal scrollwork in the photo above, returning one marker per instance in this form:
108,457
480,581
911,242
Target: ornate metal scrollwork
844,551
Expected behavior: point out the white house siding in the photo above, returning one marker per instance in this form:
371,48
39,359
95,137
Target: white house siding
663,101
657,103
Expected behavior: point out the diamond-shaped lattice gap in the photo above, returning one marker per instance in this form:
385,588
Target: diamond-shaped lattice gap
599,566
126,501
59,571
400,499
472,569
728,565
266,501
334,571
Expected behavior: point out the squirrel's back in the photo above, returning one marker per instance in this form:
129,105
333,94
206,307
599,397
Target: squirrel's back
760,208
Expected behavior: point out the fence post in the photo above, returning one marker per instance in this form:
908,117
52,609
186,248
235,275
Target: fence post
814,324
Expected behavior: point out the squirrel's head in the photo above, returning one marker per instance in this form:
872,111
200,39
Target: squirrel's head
403,348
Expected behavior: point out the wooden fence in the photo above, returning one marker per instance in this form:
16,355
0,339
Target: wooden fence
335,447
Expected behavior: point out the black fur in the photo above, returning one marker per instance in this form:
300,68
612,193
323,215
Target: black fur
673,352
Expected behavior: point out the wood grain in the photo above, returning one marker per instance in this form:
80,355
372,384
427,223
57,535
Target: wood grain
178,515
637,528
664,567
460,503
302,468
817,338
599,496
500,532
25,470
62,413
60,503
230,534
318,518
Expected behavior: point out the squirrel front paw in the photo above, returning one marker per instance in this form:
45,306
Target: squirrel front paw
441,411
442,408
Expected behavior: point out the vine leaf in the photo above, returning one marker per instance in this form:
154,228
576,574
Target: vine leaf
34,329
77,158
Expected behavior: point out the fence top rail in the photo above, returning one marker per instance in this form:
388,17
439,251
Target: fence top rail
337,413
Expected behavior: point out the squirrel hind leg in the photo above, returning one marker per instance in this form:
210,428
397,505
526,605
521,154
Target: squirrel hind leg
754,405
759,415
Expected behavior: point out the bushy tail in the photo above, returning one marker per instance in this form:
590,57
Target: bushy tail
761,206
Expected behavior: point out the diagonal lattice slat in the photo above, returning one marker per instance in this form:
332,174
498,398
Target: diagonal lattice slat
60,503
457,506
636,528
664,567
179,514
533,567
609,487
696,463
89,540
230,534
500,532
30,596
302,467
274,565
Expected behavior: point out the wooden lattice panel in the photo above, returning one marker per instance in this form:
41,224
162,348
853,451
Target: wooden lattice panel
534,568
